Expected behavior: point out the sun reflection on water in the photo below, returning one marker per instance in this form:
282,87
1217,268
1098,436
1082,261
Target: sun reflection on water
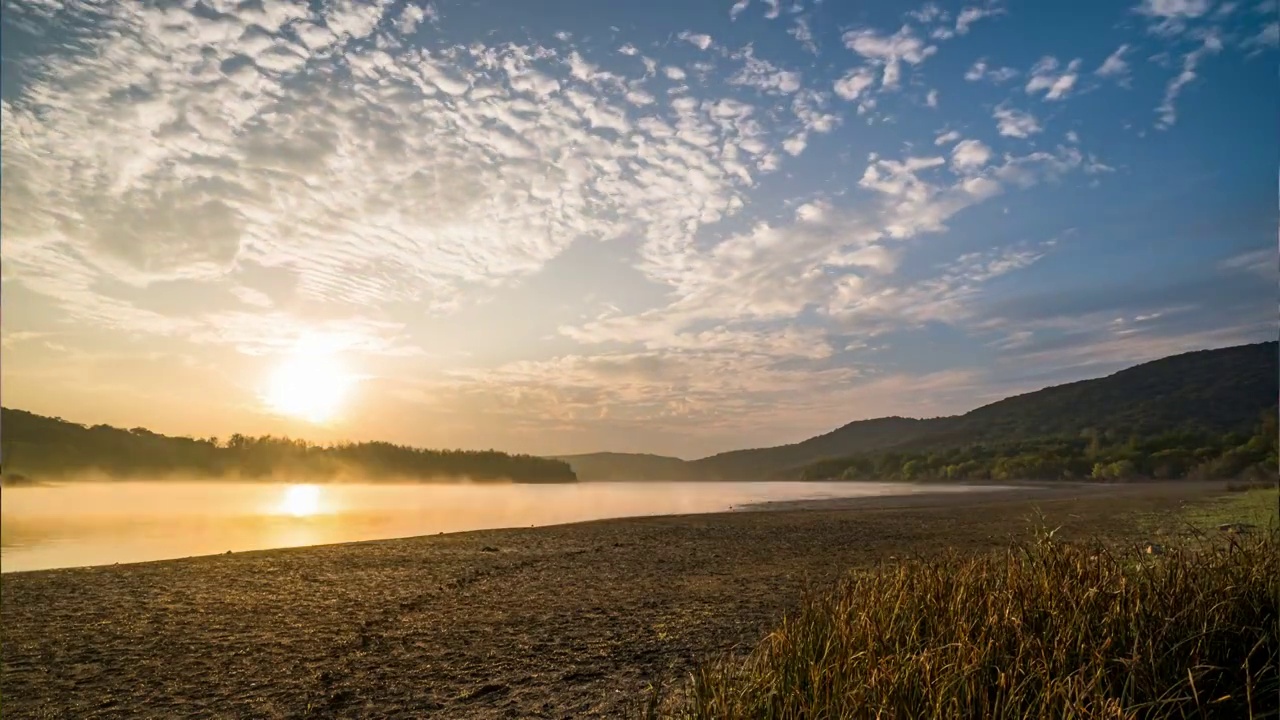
299,501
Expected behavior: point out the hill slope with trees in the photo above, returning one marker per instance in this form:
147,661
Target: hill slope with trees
1200,394
38,447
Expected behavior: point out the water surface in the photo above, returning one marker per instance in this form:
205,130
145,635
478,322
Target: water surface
86,523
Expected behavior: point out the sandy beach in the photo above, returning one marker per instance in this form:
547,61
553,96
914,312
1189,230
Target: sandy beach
557,622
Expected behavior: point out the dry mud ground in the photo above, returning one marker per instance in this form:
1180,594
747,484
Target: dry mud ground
558,622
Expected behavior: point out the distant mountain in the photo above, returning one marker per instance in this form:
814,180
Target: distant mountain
856,437
610,466
1208,391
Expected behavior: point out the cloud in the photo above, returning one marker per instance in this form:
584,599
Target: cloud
1170,16
1267,37
717,398
808,106
970,15
1046,78
947,137
854,83
803,34
795,144
774,8
947,298
929,12
1015,123
1173,8
738,8
1264,262
764,75
1167,109
309,168
825,260
698,40
413,15
969,155
425,176
889,51
980,71
1115,64
252,297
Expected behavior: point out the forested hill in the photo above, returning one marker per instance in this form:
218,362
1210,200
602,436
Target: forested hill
38,447
1203,393
1208,392
856,437
630,467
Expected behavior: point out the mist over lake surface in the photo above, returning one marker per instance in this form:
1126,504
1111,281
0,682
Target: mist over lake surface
99,523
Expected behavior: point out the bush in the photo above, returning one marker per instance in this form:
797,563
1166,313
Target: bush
1045,630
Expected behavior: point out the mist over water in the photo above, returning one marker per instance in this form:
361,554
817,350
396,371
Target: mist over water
100,523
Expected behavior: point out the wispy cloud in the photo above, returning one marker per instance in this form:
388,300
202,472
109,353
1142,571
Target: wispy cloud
1167,109
1265,262
1115,66
981,71
971,15
1055,84
947,137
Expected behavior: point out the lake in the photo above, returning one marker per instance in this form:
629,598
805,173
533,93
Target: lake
77,524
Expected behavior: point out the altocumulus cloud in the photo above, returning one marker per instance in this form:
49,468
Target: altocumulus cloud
351,170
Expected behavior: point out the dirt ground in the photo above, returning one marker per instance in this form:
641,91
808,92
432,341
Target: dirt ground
560,622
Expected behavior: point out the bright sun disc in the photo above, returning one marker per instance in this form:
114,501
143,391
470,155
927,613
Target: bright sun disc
310,387
300,500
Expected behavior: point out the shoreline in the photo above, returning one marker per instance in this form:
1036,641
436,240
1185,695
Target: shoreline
572,620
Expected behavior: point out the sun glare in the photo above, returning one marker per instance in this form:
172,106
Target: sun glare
308,387
300,501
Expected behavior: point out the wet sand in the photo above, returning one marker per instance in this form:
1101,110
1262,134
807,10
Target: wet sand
556,622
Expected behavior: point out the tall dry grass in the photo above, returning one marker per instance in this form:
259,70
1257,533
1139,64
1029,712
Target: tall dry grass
1046,630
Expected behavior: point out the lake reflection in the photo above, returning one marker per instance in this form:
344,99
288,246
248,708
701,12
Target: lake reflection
76,524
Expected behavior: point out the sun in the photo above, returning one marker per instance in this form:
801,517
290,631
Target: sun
300,501
310,387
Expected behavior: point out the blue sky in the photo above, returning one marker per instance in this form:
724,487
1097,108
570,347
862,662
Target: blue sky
669,227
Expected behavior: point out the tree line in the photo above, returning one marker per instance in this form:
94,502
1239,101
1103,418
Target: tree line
1090,455
41,447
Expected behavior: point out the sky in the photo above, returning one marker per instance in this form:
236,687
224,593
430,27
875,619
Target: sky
670,227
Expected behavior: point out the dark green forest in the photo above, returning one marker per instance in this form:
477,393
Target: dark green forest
37,448
1091,455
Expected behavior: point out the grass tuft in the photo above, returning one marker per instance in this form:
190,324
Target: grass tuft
1047,629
